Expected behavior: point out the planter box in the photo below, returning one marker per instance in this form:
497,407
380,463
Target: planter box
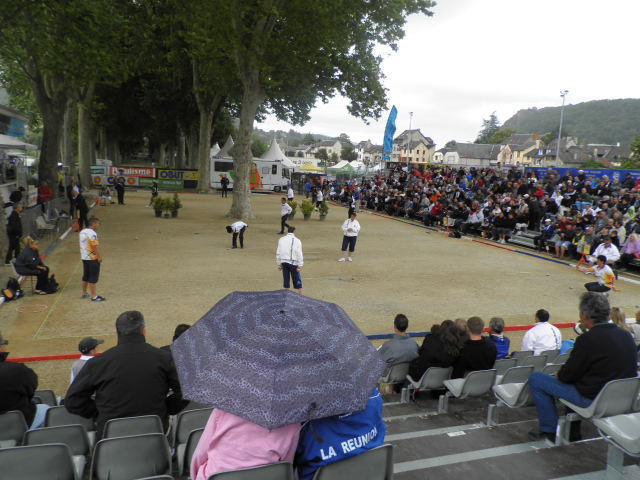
322,218
307,217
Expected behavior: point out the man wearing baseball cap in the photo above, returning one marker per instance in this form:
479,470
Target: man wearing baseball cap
17,386
87,347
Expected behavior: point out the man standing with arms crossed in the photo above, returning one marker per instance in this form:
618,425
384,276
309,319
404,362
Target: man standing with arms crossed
285,210
91,260
289,259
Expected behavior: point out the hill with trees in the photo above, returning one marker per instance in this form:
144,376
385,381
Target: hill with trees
598,121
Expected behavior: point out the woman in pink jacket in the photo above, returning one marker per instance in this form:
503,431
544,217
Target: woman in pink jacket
631,250
230,442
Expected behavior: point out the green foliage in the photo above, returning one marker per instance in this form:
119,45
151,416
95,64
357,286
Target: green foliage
450,144
321,154
306,207
334,157
258,146
591,164
630,164
501,135
308,139
176,204
294,206
323,209
635,148
598,121
489,127
348,154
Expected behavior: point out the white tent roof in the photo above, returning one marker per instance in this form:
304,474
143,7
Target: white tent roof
274,154
214,150
12,142
340,164
357,165
228,145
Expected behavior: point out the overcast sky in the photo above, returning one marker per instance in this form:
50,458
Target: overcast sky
474,57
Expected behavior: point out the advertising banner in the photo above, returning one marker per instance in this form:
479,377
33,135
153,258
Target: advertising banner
98,170
177,174
132,171
541,172
165,184
110,180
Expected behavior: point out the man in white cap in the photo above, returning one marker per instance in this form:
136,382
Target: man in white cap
88,348
546,233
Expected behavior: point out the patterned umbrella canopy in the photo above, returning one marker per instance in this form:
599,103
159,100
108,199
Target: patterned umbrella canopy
277,358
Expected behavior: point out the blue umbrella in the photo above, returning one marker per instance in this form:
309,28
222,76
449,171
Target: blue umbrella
277,358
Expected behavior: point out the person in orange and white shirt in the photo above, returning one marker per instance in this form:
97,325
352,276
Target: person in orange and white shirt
603,273
91,260
350,228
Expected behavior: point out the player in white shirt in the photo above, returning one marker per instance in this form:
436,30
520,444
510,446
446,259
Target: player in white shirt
290,194
350,229
319,197
91,260
289,259
543,336
285,211
237,229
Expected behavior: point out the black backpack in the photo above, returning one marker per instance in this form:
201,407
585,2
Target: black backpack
12,290
52,286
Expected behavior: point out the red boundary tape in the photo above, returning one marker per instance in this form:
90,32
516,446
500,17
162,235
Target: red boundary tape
73,356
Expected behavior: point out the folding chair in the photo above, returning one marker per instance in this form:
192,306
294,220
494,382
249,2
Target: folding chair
562,358
475,384
185,454
513,395
187,421
504,364
537,361
615,398
59,416
73,436
432,379
374,464
128,458
551,368
128,426
12,428
47,397
40,462
515,375
622,432
275,471
396,373
551,354
521,355
31,278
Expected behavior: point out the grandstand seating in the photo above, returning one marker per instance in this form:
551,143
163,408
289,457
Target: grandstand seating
551,355
521,355
475,384
185,454
276,471
396,373
73,436
374,464
59,416
515,375
432,379
47,397
623,434
536,361
12,428
503,364
561,358
40,462
128,426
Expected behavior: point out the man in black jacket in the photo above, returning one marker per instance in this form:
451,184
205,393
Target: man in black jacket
128,380
17,386
606,352
83,210
14,232
478,352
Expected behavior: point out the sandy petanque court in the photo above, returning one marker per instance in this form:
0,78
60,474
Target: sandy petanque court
175,270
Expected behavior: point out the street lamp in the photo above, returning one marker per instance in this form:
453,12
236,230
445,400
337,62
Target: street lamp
409,141
563,94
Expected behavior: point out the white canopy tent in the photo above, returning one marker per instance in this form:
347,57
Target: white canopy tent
214,150
339,165
228,145
7,142
275,154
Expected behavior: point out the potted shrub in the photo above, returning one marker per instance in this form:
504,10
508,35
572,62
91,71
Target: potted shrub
167,204
176,205
307,208
294,206
158,206
324,210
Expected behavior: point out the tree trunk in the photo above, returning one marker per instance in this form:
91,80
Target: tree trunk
84,144
66,146
162,154
252,97
192,146
181,160
204,140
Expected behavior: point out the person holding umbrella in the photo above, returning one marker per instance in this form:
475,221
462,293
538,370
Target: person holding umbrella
251,357
290,260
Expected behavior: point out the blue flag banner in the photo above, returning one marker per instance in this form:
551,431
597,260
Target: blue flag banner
389,132
596,173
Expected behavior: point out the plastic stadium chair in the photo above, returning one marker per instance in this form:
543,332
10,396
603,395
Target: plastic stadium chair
433,378
615,398
12,428
537,361
59,416
504,364
157,477
275,471
187,421
551,355
374,464
130,458
515,375
562,358
73,436
623,434
396,373
128,426
551,368
519,356
185,452
475,384
40,462
47,397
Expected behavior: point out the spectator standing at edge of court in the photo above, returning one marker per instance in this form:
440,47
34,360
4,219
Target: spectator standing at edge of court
224,183
82,208
91,260
14,233
289,259
543,336
119,185
350,230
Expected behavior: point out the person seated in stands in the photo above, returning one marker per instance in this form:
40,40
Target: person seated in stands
180,329
88,348
604,353
543,336
463,333
401,348
478,353
564,242
30,263
18,383
474,220
231,443
630,251
331,439
131,379
502,343
439,349
606,248
546,233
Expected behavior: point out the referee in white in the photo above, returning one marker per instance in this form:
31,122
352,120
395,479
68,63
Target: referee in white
350,229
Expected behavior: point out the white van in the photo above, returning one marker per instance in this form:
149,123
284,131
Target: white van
265,174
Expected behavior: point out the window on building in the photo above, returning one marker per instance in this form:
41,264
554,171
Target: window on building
274,169
223,166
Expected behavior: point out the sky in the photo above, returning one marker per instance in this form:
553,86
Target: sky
474,57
